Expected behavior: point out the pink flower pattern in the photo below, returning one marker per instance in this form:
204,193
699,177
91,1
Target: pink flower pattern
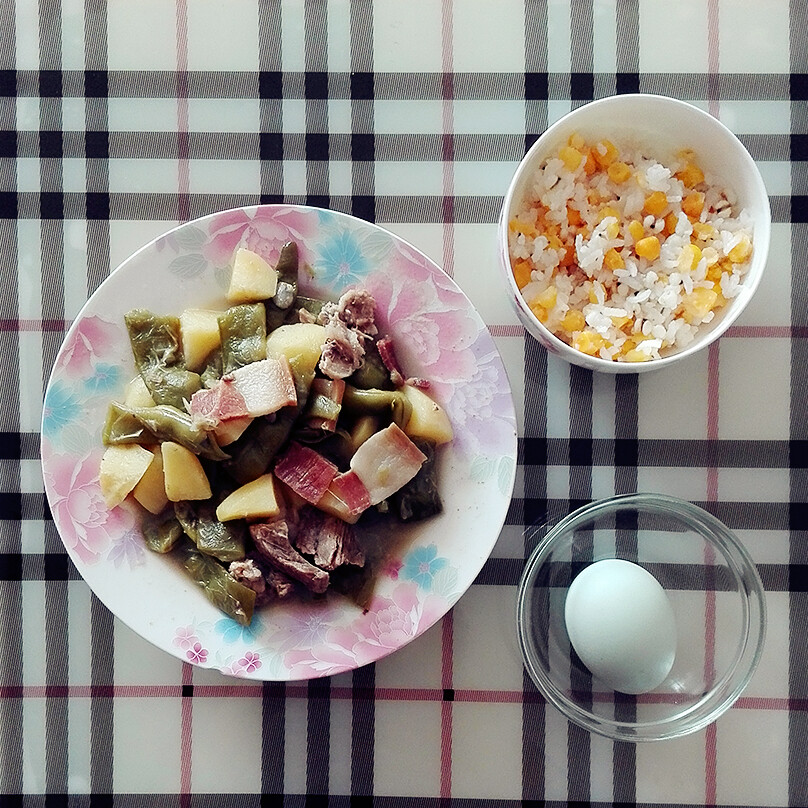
388,623
92,339
265,232
87,526
197,654
250,662
185,637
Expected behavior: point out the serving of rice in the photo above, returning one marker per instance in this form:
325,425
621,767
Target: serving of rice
625,258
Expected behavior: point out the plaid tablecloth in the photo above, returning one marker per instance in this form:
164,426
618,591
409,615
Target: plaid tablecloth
122,118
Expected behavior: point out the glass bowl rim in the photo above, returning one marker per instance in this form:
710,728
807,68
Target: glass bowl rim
725,691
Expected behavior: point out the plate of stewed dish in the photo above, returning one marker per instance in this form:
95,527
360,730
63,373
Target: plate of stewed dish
279,442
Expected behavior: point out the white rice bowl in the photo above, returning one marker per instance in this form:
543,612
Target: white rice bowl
635,310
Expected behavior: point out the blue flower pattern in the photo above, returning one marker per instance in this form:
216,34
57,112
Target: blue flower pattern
341,262
421,565
106,379
61,407
232,631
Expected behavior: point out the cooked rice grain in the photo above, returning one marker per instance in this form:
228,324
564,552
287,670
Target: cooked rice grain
622,257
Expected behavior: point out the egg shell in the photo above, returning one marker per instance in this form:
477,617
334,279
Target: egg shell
621,624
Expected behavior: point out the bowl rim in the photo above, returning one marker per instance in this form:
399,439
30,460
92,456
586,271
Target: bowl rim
725,690
540,332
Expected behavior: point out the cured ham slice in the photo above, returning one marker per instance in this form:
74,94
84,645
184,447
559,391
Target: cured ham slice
349,489
306,472
385,462
266,385
210,406
388,356
259,388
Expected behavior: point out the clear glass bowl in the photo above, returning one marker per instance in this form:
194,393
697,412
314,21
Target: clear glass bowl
711,582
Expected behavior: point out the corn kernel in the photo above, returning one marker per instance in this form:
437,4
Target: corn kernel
618,172
648,247
571,157
574,217
720,299
539,312
655,203
693,204
588,342
576,140
635,355
741,251
691,175
606,211
590,164
698,304
573,321
714,272
619,322
636,230
605,153
689,258
671,220
613,260
703,231
612,230
526,228
547,298
521,273
593,298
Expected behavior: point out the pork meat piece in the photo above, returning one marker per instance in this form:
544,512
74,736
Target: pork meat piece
330,541
388,355
268,583
343,350
271,539
208,407
278,583
348,323
305,471
248,573
357,309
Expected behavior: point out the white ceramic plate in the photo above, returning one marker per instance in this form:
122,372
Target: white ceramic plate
438,335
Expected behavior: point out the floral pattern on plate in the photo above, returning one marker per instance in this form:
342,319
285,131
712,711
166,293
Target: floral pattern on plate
438,336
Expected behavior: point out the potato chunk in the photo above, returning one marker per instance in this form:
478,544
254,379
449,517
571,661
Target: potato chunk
300,343
185,479
137,394
150,491
428,419
199,329
253,279
121,468
256,499
227,432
